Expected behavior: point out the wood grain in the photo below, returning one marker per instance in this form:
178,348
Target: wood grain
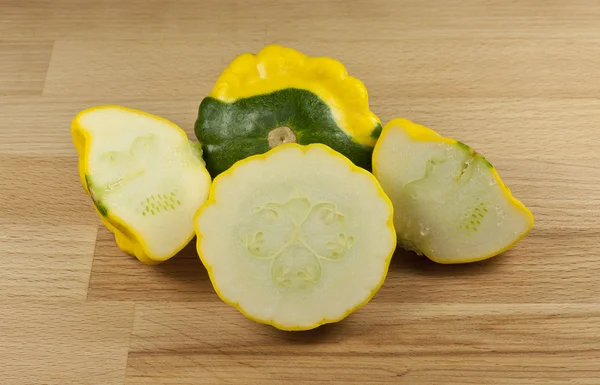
516,80
23,66
117,276
399,343
43,190
42,261
64,342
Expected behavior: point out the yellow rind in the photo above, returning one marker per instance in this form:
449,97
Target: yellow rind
276,68
127,239
419,132
213,200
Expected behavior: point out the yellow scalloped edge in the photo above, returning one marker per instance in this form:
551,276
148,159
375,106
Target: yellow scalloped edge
127,239
419,132
212,200
276,68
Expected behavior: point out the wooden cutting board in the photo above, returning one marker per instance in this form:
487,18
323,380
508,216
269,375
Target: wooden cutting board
517,80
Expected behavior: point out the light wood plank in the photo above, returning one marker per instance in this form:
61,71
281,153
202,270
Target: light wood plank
564,271
336,20
403,344
43,191
461,369
23,66
465,67
64,342
115,65
257,369
46,261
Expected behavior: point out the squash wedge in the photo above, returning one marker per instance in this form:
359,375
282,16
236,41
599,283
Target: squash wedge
145,178
449,202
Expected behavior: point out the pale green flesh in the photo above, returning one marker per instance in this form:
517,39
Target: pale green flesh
447,203
144,172
296,239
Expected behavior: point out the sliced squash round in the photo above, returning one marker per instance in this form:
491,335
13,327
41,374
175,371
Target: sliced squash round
283,96
449,202
296,237
145,178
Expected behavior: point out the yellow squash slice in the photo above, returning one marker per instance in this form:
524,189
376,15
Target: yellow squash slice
449,202
296,237
145,177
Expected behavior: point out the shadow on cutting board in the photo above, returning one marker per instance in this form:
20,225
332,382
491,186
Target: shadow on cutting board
411,263
118,276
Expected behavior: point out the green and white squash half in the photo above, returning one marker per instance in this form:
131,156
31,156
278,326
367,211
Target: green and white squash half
145,178
449,202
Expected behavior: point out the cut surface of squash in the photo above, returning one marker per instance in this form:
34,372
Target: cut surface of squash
296,237
449,202
145,177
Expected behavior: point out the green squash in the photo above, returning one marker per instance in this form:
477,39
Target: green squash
282,96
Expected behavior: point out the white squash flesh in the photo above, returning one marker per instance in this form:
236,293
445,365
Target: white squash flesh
296,237
449,202
144,176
